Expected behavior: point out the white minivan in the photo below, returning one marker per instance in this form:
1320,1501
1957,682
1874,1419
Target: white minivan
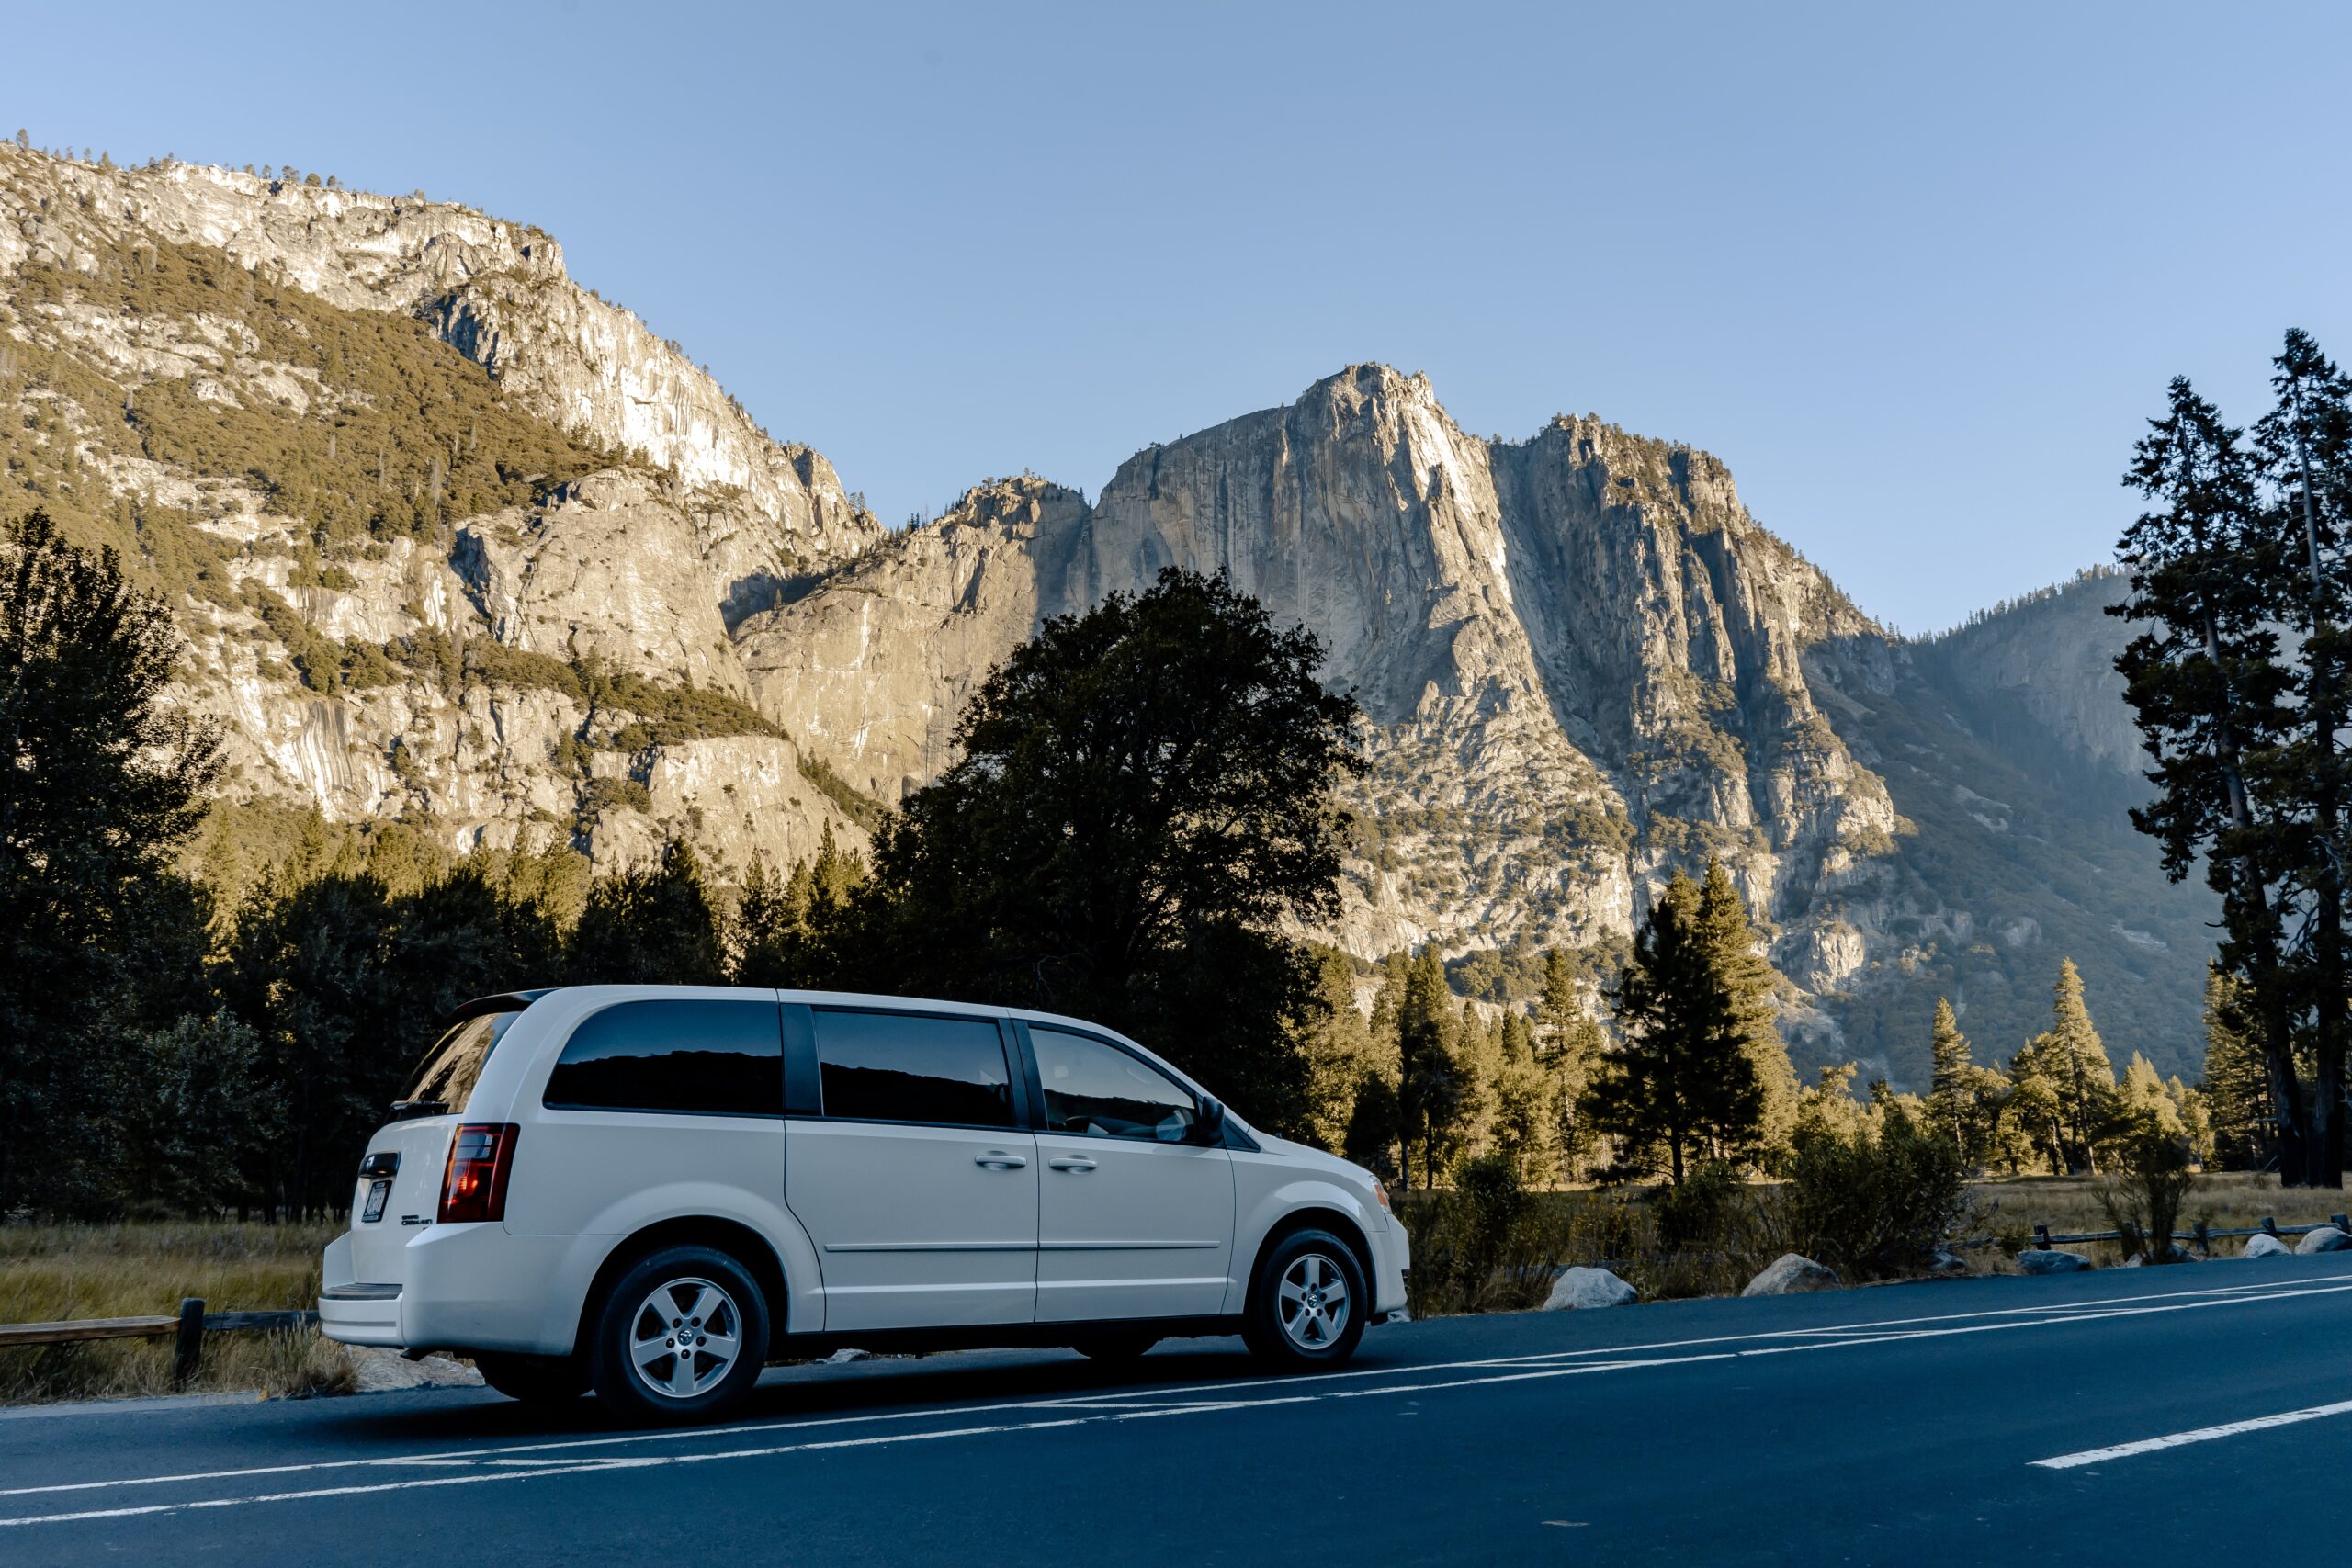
654,1190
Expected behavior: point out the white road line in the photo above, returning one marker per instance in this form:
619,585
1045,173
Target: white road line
2201,1435
528,1471
1213,1394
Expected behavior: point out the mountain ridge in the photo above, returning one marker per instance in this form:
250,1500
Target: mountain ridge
1584,663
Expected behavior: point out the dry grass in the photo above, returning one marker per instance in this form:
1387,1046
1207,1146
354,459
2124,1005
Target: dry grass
2012,1207
50,1273
1455,1271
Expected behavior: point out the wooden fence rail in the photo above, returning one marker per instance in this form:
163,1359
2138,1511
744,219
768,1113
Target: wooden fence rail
187,1327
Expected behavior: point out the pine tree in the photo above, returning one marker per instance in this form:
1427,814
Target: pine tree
2206,687
1526,1118
651,926
2070,1060
2306,447
1748,979
1680,1083
2236,1084
1569,1042
1435,1095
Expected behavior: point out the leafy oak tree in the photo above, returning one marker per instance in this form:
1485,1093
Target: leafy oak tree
1144,798
99,785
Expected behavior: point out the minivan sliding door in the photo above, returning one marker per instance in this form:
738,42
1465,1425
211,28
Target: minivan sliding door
913,1176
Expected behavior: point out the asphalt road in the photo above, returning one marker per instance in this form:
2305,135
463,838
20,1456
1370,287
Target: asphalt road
1914,1424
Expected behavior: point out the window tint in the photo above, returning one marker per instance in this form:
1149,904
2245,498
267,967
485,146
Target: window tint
880,1066
702,1055
448,1072
1102,1092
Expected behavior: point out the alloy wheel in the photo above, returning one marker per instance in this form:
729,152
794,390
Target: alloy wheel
1313,1302
684,1339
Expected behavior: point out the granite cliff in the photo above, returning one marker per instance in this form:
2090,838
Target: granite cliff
1582,662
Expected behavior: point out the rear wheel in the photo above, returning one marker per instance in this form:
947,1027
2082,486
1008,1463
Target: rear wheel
1306,1304
1114,1348
681,1337
534,1379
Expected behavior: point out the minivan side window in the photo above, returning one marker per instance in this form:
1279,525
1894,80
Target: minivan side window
1099,1091
704,1056
927,1068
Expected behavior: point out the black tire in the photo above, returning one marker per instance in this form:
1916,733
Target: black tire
650,1390
534,1379
1113,1348
1270,1323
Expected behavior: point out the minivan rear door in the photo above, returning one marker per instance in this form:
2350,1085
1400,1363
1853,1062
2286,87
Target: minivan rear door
398,1190
910,1170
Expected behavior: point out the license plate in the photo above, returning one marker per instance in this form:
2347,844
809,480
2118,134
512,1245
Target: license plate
378,1193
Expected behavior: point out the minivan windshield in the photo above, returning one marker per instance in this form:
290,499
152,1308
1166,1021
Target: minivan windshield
444,1079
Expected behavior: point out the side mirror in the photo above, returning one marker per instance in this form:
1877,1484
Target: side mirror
1209,1127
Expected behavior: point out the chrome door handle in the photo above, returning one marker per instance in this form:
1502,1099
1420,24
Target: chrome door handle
1072,1162
997,1159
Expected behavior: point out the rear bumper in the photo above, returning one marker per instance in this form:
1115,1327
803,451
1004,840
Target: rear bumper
463,1287
361,1313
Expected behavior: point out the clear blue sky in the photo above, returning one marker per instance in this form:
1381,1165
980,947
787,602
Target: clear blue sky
1915,273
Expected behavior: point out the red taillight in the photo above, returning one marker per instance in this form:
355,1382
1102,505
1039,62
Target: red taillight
481,1156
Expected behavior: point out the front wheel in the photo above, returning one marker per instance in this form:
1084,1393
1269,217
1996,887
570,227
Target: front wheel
534,1379
682,1338
1306,1304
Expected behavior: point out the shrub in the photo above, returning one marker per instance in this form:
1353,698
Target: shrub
2143,1200
1873,1205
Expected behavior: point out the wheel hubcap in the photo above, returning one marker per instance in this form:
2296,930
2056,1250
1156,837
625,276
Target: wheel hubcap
1313,1302
684,1339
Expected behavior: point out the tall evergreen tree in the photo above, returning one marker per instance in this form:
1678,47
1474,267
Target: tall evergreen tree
1948,1049
1680,1082
1526,1114
2236,1082
1748,979
2206,685
651,926
1436,1093
2071,1060
2306,447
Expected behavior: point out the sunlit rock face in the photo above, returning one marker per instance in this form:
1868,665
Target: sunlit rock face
1582,663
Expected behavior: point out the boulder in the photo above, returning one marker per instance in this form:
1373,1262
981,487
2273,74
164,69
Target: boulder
1944,1260
1580,1289
377,1371
2050,1260
1789,1273
2327,1238
2263,1244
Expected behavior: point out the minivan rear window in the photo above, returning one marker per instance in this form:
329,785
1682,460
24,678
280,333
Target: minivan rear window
446,1076
701,1057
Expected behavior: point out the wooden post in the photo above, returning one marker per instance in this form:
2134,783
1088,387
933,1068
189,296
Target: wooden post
190,1347
2269,1226
2042,1237
2341,1222
2204,1241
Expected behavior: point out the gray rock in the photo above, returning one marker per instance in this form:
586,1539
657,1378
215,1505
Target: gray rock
2050,1260
2265,1246
1582,1290
378,1370
1944,1260
2327,1238
1789,1274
